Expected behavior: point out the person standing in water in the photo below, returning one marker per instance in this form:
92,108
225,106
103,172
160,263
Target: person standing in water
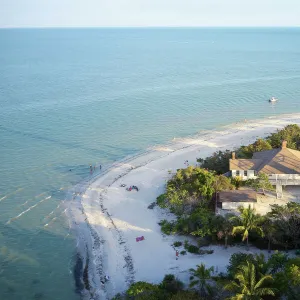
100,167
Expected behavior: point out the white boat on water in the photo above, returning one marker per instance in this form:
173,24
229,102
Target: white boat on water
273,99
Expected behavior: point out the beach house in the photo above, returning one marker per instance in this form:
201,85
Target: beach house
233,199
282,165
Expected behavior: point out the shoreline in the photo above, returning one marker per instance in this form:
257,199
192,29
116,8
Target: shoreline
106,218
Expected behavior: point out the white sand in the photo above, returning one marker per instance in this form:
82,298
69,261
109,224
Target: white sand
109,218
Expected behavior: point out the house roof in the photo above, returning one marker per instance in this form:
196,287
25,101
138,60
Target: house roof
275,161
244,164
237,196
285,161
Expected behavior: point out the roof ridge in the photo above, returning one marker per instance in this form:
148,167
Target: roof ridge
266,161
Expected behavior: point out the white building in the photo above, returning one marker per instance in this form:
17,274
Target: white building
282,165
231,200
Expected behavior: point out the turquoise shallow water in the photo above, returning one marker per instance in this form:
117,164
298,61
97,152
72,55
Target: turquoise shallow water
74,97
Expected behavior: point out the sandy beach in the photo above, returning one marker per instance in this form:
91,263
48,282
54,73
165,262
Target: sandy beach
107,218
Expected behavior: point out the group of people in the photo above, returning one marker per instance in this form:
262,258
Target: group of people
93,168
186,163
132,187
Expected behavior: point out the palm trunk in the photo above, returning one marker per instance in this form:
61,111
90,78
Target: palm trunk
226,241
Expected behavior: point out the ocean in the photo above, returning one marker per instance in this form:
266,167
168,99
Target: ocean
71,98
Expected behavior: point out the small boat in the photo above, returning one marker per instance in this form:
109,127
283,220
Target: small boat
273,99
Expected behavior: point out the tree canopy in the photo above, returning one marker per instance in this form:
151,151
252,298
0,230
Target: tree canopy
191,188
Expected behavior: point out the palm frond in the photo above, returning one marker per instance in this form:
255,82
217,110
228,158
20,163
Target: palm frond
265,291
232,286
263,280
194,282
238,229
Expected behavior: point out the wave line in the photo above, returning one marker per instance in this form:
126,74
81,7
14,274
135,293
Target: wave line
27,210
18,190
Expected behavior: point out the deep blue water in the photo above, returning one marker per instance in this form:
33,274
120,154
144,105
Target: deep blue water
74,97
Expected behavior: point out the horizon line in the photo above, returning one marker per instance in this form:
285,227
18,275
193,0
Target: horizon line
148,27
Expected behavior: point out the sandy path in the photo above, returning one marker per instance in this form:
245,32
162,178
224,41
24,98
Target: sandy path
109,218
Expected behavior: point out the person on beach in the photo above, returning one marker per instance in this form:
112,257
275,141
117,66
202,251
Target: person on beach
177,254
100,167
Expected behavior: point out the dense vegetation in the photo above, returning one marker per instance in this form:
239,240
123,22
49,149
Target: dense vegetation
192,188
218,162
248,277
191,196
279,229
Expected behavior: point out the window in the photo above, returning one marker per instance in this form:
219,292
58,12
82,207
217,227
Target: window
255,173
237,173
245,173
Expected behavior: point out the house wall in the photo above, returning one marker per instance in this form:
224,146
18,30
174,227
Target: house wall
250,174
235,205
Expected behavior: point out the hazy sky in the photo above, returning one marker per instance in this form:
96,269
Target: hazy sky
79,13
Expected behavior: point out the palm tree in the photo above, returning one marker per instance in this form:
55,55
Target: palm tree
224,227
248,221
249,285
203,275
269,230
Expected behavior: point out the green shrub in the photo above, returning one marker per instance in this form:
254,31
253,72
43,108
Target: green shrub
192,249
167,227
171,284
277,261
236,260
183,252
186,244
152,205
202,252
141,287
161,201
177,244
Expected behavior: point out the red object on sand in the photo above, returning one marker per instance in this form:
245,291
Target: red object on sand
139,238
177,253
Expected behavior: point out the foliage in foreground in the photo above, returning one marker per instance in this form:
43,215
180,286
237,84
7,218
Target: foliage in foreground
248,277
250,284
